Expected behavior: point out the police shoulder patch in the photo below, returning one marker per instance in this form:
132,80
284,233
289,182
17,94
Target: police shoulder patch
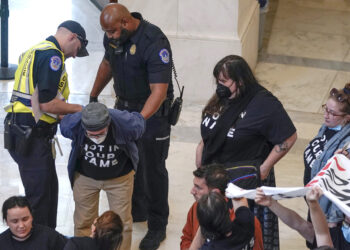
55,63
164,55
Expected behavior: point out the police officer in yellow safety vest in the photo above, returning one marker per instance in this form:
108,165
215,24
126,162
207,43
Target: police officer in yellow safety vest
39,96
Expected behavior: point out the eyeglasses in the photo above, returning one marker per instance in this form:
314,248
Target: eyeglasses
340,97
330,112
96,135
83,41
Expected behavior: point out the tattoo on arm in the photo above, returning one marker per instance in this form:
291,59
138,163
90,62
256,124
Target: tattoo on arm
283,147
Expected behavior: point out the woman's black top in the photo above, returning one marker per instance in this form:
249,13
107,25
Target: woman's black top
261,125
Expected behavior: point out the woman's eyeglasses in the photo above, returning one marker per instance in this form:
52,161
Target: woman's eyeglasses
330,112
341,97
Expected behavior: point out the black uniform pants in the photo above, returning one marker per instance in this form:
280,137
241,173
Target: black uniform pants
37,168
151,184
39,178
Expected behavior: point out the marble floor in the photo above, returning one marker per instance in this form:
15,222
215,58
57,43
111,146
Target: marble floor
306,52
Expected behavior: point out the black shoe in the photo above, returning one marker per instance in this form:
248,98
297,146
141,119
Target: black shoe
152,239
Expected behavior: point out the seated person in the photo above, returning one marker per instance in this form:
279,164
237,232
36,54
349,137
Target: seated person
217,231
211,178
106,234
22,234
316,233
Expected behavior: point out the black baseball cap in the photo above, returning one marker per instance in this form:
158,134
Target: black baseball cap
76,28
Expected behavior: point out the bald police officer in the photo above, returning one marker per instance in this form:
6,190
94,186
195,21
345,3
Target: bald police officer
138,57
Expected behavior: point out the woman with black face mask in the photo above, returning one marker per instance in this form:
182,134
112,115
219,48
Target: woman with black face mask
245,128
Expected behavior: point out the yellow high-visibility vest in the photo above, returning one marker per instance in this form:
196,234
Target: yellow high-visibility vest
21,100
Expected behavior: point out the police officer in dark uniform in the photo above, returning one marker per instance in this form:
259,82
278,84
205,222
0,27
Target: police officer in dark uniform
138,57
39,96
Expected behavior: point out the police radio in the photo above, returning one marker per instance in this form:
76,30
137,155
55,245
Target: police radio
176,106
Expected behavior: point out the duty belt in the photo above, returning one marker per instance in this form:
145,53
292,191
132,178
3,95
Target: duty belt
138,105
41,129
48,132
130,104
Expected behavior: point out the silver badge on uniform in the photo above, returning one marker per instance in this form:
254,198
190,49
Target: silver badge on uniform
164,55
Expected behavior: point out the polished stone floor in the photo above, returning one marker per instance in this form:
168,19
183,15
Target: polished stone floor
306,52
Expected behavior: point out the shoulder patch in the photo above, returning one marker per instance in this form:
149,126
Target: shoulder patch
164,55
55,63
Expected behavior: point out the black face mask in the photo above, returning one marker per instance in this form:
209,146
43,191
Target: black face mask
118,43
222,91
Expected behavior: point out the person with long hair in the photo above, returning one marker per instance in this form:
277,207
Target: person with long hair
217,231
106,234
244,124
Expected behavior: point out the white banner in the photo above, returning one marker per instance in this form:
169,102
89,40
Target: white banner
232,191
334,180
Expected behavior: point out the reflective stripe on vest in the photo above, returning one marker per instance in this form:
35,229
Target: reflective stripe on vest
21,100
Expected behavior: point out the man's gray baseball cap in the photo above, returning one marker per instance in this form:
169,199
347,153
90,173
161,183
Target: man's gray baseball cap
95,116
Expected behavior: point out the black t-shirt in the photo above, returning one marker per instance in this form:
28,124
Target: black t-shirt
242,236
42,238
261,125
313,150
81,243
146,59
103,161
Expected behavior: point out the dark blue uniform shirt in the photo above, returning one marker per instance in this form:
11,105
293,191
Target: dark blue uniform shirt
47,71
146,58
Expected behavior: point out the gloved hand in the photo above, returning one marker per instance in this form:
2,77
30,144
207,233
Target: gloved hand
93,99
